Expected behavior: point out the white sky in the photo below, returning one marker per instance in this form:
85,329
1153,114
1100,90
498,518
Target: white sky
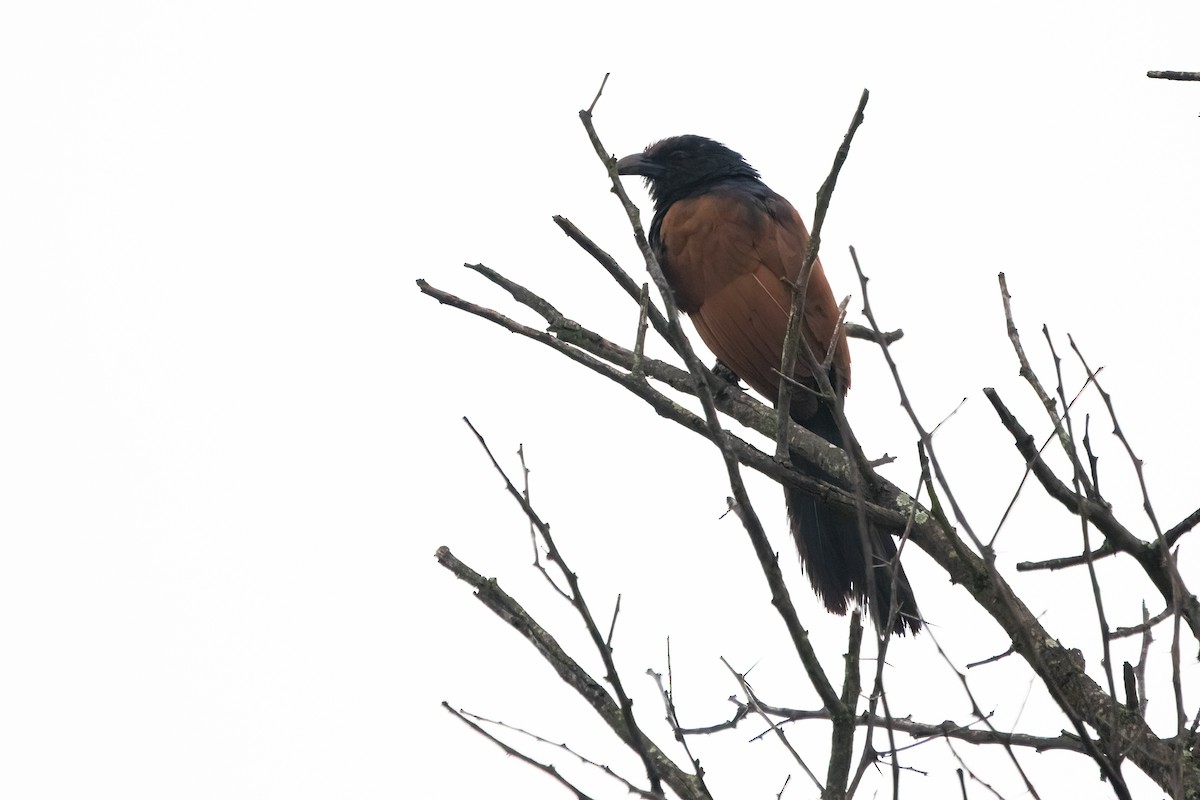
230,435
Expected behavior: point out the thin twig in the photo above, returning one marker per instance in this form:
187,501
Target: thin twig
608,771
575,595
599,92
1112,746
1025,565
991,659
779,734
549,769
985,718
639,344
1145,625
488,592
795,342
1048,403
1143,660
612,628
618,274
1118,538
668,697
537,561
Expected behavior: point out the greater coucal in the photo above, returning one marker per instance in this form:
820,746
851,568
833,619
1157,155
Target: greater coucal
729,246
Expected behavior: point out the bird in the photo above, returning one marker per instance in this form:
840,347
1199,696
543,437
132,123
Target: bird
730,248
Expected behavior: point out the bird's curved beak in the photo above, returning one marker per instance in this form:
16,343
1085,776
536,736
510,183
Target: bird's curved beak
636,164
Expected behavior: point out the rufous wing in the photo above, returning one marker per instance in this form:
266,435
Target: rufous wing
726,254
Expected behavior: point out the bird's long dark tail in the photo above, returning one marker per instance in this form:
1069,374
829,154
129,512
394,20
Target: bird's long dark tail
831,550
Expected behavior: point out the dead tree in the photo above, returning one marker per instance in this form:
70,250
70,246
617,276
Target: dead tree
1103,705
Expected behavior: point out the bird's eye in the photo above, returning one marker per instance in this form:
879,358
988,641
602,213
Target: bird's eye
678,155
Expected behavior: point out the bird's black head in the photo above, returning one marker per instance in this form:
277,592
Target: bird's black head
680,166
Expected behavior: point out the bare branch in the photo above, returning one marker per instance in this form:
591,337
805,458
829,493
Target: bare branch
575,595
599,92
1004,741
1031,378
639,343
919,731
1169,75
1077,485
856,331
1143,660
1183,526
1117,536
488,592
608,771
668,698
1051,660
618,274
546,768
779,734
841,749
794,342
1147,624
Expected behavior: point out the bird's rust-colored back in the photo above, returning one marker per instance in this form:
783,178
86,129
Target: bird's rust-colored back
726,254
